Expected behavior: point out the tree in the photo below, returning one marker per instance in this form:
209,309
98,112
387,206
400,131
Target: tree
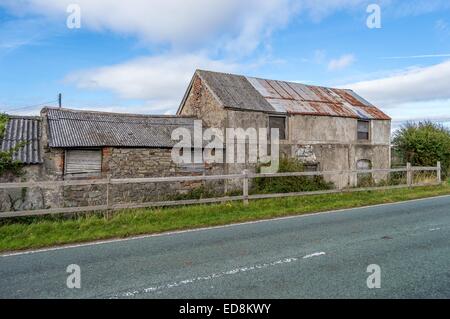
424,144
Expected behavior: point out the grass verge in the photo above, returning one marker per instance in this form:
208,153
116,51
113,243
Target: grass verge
50,231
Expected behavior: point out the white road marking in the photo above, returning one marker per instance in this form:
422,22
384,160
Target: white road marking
109,241
314,255
434,229
213,276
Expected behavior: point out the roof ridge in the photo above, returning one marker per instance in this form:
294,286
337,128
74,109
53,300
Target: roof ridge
276,80
24,117
78,111
112,121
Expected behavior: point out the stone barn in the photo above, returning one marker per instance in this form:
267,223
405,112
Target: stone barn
64,144
328,129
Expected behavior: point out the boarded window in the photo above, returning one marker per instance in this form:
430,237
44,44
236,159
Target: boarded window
363,130
83,162
364,165
279,123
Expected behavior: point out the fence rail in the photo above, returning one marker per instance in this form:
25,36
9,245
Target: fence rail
245,197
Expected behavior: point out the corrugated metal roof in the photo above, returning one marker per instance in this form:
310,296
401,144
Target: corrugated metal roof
27,130
249,93
235,91
76,128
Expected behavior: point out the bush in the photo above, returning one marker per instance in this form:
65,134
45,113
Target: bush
289,184
423,144
7,163
3,121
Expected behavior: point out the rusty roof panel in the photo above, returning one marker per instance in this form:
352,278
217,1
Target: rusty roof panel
294,95
305,93
271,92
296,98
376,113
280,91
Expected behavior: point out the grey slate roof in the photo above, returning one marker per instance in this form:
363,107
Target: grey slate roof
262,95
23,129
75,128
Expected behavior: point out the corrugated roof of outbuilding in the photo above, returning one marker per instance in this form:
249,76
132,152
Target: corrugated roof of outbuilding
255,94
77,128
26,130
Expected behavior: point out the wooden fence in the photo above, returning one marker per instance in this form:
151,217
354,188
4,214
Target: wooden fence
245,197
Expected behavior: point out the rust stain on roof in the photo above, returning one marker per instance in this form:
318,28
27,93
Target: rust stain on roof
296,98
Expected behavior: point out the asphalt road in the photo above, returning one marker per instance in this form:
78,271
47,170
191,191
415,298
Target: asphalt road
315,256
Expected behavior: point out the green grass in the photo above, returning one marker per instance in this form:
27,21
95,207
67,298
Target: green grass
50,231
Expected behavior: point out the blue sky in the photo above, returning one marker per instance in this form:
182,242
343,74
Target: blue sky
138,56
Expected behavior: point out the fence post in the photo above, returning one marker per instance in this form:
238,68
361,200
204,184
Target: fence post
409,176
438,172
245,186
107,192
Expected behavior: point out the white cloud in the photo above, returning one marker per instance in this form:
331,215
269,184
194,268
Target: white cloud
417,84
159,80
436,110
341,63
417,93
195,30
226,28
234,24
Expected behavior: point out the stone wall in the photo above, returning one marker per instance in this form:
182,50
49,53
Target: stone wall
202,104
22,198
119,163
